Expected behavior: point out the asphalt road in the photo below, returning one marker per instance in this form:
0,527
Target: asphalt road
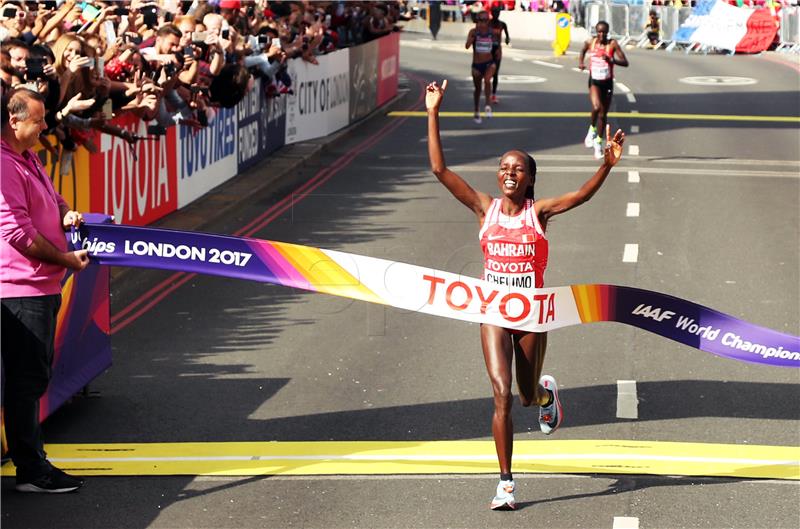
227,361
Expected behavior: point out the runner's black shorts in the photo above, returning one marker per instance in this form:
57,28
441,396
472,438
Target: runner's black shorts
606,86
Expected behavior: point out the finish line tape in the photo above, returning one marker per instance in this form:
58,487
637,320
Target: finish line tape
430,291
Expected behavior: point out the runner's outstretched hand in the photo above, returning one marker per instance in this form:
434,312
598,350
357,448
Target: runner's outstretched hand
613,151
434,95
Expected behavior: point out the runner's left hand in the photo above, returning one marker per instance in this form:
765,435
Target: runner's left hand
613,151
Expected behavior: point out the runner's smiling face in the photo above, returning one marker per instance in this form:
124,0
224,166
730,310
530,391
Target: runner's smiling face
513,176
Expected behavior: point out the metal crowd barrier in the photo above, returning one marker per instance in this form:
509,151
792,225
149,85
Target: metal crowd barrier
790,30
627,22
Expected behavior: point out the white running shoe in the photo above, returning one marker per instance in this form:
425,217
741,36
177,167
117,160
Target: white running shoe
598,149
504,500
488,111
476,117
590,137
550,416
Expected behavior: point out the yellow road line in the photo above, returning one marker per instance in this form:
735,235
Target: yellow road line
622,115
424,457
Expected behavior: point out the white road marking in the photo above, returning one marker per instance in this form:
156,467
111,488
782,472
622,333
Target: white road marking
630,97
624,88
633,150
634,129
631,253
627,401
633,209
633,177
580,71
718,80
625,522
516,59
548,64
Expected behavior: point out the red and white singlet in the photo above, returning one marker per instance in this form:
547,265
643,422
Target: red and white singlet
599,68
514,248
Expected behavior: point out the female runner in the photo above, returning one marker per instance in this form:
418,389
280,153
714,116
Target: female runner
604,53
480,39
512,229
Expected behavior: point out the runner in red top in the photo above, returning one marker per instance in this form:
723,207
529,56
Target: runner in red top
515,249
604,53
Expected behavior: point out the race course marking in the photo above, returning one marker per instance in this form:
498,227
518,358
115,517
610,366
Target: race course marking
625,522
627,401
718,80
621,115
631,253
423,457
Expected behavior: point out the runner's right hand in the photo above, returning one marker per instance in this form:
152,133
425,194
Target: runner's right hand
434,94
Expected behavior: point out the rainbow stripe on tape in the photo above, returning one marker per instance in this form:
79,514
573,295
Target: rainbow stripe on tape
431,291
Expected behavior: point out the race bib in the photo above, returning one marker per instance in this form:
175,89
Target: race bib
600,70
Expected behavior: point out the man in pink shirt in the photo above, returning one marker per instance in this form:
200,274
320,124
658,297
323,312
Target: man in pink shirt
33,260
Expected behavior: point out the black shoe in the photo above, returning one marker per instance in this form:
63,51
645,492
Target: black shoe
54,481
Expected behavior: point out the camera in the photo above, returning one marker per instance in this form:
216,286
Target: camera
34,69
226,34
150,16
188,51
199,36
121,11
133,39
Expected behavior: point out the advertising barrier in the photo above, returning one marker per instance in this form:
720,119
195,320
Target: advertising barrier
136,183
321,101
388,67
363,79
207,157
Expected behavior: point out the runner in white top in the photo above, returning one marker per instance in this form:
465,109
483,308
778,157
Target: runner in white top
515,250
604,53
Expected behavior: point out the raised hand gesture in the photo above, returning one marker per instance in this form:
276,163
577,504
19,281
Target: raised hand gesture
434,95
613,150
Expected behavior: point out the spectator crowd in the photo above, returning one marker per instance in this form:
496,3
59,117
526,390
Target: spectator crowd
168,61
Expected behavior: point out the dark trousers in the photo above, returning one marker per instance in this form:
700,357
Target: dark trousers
27,340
